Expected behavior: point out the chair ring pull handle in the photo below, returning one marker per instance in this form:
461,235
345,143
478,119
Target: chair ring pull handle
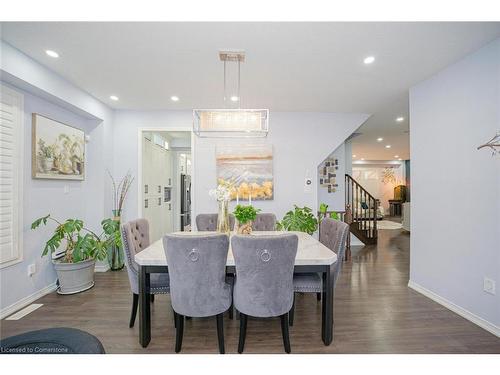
265,255
193,255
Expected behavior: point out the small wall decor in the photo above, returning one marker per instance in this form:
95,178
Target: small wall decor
388,176
493,144
249,168
58,150
328,174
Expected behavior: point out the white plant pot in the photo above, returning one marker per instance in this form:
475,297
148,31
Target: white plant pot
75,277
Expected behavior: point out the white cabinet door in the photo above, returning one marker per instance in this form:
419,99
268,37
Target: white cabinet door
157,174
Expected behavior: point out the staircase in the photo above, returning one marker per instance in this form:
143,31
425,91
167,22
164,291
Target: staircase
361,211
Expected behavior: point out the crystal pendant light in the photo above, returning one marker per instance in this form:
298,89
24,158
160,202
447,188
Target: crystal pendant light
231,122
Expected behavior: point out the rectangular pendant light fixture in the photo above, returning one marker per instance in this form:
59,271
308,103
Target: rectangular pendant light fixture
231,122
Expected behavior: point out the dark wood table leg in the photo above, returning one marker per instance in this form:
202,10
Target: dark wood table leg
327,305
144,307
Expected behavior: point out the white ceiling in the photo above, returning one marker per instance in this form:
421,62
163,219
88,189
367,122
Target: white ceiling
289,66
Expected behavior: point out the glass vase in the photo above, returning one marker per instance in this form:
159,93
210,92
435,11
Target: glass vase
115,253
223,217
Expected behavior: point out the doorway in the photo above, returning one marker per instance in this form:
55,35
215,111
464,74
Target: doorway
165,193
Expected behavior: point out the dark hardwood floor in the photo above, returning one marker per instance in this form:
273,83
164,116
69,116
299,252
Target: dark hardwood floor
375,312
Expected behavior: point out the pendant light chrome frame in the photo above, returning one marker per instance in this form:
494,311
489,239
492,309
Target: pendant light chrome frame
230,122
200,125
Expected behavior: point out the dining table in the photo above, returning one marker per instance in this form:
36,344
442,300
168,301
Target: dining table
312,256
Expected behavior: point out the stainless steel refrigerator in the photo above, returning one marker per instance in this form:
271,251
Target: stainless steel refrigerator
185,201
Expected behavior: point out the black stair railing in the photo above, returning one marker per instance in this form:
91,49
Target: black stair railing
362,208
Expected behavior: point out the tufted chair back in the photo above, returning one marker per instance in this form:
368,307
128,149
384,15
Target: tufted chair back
264,273
135,238
208,222
197,270
264,222
333,234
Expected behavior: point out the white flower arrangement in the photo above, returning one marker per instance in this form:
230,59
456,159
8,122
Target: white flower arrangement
222,193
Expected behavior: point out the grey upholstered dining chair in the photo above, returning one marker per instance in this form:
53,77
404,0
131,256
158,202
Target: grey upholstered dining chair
208,222
333,234
135,238
197,269
264,222
264,279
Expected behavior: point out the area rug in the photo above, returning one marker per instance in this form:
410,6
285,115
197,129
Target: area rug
387,224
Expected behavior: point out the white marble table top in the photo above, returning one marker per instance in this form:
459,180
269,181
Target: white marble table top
310,251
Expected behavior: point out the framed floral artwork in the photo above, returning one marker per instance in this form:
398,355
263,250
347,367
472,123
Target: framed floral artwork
58,150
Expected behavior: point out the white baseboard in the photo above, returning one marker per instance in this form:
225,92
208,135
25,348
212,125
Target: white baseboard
490,327
355,241
9,310
101,267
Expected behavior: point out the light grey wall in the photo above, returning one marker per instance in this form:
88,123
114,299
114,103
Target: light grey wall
336,200
300,142
47,93
455,214
84,200
348,157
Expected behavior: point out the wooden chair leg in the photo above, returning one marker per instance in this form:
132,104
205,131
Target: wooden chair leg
284,332
179,332
220,332
152,298
292,312
175,318
231,311
135,304
243,332
318,296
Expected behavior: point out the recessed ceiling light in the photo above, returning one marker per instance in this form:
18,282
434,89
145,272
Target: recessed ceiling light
174,98
369,60
400,119
51,53
234,98
400,159
387,146
354,156
396,156
362,158
114,97
380,139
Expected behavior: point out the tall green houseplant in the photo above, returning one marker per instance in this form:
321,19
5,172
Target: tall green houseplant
81,243
300,219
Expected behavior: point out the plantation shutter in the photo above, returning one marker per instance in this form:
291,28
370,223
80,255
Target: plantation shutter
11,174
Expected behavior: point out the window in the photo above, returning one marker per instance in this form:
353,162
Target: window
11,176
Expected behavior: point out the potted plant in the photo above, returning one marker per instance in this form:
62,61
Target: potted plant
323,210
45,156
299,219
245,215
75,270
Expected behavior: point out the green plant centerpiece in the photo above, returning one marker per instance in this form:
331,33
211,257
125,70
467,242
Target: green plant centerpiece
245,216
82,247
323,211
299,219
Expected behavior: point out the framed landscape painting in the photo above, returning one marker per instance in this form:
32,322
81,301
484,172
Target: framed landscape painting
249,168
58,150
